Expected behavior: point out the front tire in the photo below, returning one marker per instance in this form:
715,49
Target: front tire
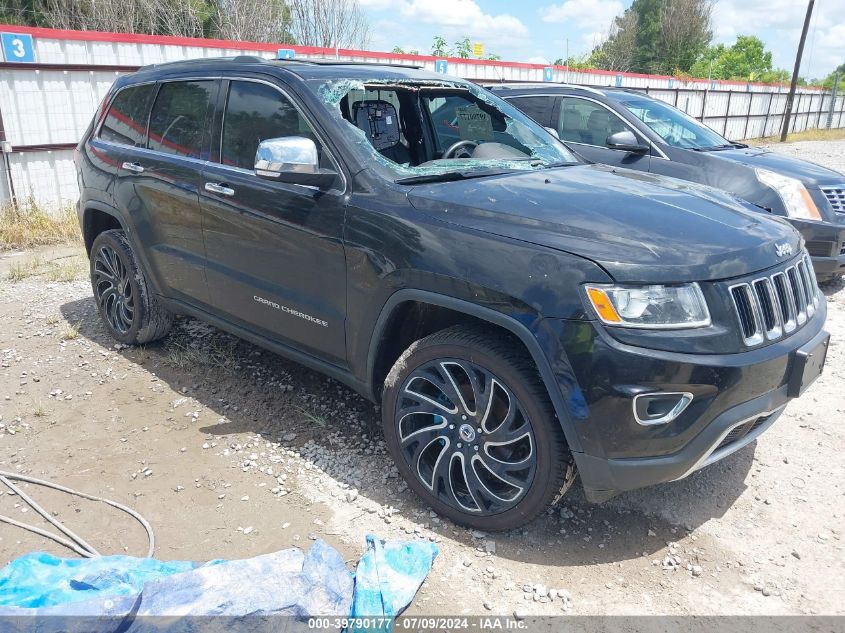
471,429
130,312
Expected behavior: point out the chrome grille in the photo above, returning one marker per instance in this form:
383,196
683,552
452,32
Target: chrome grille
770,307
836,197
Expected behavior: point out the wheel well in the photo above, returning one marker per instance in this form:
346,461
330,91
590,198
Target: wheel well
96,222
413,320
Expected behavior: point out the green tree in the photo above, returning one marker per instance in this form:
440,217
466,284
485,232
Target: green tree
657,36
746,59
438,47
827,82
398,50
24,12
463,48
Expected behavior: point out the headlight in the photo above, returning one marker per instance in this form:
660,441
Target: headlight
794,194
657,307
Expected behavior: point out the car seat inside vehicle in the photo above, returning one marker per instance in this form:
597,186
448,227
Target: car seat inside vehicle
379,121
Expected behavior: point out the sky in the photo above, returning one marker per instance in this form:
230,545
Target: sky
538,30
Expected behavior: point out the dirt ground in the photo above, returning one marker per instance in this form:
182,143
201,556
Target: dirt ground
230,451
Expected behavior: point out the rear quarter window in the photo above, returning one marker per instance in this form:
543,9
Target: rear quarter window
126,120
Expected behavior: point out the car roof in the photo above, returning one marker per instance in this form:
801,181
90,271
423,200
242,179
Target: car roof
304,68
514,89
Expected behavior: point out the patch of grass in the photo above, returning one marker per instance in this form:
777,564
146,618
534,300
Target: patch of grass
40,411
67,269
62,269
52,319
217,353
809,135
25,269
313,418
69,332
30,225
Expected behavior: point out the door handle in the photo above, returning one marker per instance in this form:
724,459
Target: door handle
133,167
222,189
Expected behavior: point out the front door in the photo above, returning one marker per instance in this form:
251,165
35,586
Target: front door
586,124
276,262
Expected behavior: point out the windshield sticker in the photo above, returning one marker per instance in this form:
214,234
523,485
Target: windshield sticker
474,124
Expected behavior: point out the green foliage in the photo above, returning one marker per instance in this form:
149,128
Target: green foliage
398,50
439,47
25,12
827,82
463,49
746,59
656,36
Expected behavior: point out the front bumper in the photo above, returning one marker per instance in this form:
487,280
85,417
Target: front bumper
825,242
736,398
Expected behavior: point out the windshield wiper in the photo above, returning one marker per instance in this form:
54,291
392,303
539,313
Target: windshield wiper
449,176
716,148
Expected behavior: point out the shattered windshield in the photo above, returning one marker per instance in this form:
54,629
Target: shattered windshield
673,126
428,128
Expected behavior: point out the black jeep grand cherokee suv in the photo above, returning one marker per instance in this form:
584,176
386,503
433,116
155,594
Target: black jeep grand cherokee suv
519,315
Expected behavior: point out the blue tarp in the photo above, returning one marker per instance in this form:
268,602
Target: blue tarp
123,593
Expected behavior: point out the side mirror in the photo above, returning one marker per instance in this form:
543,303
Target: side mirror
553,132
627,142
292,159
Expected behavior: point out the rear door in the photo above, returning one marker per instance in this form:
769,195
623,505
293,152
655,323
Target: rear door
541,108
276,263
585,124
158,187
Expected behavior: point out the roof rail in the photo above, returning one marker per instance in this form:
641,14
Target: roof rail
199,61
542,84
254,59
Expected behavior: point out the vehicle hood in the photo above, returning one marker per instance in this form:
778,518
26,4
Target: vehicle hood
809,173
639,227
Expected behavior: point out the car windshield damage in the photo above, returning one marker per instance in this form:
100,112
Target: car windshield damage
677,128
425,130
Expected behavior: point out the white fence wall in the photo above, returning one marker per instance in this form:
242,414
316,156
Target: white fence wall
44,107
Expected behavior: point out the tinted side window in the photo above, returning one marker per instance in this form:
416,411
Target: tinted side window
180,117
126,121
583,121
538,108
256,112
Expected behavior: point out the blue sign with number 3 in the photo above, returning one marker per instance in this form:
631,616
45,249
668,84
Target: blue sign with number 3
18,47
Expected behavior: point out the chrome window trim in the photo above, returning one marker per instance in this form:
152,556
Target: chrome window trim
301,111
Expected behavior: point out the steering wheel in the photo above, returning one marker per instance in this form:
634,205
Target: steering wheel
467,146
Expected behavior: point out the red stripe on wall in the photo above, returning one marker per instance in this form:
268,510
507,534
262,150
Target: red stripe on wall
169,40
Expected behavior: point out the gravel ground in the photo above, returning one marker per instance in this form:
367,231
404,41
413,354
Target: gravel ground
231,451
831,154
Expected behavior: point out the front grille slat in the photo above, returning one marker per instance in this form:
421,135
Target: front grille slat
798,295
836,197
770,307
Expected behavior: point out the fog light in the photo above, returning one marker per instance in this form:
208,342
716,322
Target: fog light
661,407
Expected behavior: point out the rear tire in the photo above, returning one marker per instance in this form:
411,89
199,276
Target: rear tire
471,429
130,312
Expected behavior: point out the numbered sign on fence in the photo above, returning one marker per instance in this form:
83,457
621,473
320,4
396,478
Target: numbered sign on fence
17,47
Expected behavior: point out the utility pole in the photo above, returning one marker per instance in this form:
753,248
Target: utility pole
790,98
